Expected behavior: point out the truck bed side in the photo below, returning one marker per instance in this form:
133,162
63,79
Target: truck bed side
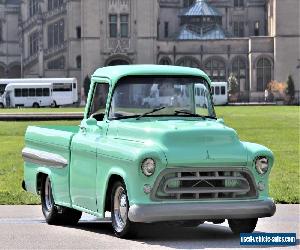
47,151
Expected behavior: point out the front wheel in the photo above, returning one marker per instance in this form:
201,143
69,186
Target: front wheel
122,226
56,215
238,226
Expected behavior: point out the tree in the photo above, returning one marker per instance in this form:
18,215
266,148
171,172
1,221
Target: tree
86,85
233,84
290,90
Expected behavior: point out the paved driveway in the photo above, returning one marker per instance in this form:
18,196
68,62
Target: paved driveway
23,227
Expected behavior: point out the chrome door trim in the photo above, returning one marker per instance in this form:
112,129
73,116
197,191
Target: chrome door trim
43,158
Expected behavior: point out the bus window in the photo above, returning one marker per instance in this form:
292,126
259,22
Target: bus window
217,90
24,92
212,90
62,87
46,92
32,92
39,92
74,85
223,90
18,92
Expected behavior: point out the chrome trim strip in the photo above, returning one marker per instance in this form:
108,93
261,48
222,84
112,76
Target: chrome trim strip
44,158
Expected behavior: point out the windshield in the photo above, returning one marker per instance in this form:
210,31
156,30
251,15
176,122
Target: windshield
159,96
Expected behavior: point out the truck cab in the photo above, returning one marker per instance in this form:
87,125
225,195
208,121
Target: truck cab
145,164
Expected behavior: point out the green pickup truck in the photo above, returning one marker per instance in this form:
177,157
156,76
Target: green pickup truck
164,161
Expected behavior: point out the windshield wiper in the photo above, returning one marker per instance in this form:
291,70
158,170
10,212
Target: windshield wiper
150,112
187,112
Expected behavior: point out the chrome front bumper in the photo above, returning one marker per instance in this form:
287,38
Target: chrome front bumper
202,211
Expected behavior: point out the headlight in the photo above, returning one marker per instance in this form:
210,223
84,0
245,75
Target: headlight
148,167
262,165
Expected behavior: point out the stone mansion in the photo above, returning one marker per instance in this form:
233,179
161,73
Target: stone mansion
256,40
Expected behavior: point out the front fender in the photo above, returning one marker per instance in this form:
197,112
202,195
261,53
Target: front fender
255,150
129,169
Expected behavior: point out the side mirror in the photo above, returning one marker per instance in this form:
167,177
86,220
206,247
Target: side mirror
221,120
91,122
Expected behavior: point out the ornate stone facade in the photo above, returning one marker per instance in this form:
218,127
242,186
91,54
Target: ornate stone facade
256,40
10,61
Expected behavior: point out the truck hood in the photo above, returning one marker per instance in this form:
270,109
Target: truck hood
185,142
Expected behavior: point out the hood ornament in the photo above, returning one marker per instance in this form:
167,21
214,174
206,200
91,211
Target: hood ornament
207,155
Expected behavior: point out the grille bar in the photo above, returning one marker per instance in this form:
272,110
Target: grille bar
205,190
203,183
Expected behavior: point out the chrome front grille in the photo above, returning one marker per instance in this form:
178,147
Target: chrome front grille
203,183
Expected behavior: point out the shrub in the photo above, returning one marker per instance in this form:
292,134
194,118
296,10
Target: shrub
290,90
86,85
277,90
233,87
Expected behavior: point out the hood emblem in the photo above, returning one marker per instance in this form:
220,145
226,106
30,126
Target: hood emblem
207,155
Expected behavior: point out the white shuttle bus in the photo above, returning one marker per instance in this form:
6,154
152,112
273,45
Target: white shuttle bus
219,91
65,90
27,95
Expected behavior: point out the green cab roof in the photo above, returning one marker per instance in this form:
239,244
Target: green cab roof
114,73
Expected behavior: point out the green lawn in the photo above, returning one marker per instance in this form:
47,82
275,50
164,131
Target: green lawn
274,127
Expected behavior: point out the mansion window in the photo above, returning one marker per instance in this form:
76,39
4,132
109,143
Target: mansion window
238,29
1,32
239,71
33,7
166,30
78,32
78,62
188,3
118,25
188,62
33,43
54,4
164,61
113,25
256,28
58,63
263,73
238,3
124,25
56,33
216,69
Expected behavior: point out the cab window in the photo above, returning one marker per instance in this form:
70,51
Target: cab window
98,105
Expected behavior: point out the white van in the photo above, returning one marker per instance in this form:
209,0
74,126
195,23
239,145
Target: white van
220,93
65,90
29,95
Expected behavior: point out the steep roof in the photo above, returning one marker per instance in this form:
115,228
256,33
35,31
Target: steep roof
186,33
200,8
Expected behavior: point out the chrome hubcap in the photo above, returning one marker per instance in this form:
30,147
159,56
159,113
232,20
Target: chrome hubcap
120,209
48,195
